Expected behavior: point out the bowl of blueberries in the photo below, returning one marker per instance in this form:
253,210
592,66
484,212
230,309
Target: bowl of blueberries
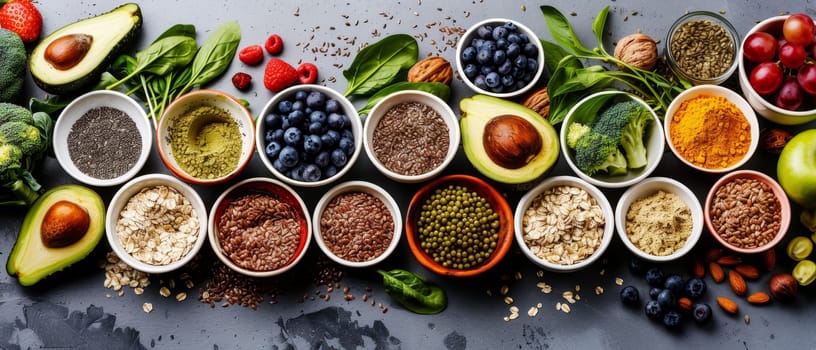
308,135
499,57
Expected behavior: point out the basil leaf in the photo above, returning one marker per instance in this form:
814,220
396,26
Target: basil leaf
378,64
187,30
583,78
562,31
599,24
414,292
166,55
215,54
439,89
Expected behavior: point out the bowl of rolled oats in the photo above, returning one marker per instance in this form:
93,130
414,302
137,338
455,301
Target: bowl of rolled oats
260,227
156,223
564,224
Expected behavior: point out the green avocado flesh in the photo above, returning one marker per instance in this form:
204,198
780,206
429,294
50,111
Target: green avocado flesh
30,260
110,33
478,112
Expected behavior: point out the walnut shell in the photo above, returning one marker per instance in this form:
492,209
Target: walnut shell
431,69
539,101
638,50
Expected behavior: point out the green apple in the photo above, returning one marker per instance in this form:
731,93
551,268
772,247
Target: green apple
796,169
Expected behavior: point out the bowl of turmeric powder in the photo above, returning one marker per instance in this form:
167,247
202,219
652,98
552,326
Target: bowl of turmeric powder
711,128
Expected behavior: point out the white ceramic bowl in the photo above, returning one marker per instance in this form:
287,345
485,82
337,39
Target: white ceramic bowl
526,201
267,186
121,198
762,106
713,90
81,105
655,142
388,102
471,33
357,187
194,99
648,187
346,107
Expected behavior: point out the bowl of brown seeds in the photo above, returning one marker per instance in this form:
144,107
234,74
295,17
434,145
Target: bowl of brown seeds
259,227
357,224
702,48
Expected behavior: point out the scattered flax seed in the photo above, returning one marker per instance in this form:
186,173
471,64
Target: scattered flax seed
747,319
634,13
573,14
147,307
164,292
181,296
599,290
385,309
625,18
619,281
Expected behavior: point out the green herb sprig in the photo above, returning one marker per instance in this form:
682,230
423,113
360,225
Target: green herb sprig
414,292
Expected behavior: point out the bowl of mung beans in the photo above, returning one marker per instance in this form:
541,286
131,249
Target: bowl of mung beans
459,225
357,224
747,211
564,224
259,227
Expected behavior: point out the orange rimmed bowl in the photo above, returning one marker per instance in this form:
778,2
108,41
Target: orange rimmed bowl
484,190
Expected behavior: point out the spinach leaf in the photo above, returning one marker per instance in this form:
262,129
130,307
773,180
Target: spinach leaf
187,30
598,26
215,54
161,56
553,54
439,89
414,292
378,64
562,32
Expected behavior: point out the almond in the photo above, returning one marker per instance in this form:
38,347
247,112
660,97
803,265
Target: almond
728,305
685,304
737,283
698,269
769,260
729,260
717,273
713,254
748,271
759,298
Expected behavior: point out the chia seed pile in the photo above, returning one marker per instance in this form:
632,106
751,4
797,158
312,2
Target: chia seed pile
104,143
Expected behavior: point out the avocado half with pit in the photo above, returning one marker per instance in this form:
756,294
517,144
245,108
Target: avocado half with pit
62,227
74,56
506,141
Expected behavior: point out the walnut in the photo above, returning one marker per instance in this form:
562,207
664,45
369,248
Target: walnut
431,69
539,101
638,50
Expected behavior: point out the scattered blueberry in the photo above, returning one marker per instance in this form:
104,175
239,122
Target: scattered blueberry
701,312
672,319
637,266
695,288
654,277
667,299
288,156
653,310
674,283
292,136
654,291
629,295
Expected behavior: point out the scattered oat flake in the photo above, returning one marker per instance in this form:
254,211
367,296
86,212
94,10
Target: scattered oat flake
634,13
540,273
577,287
603,272
508,300
518,276
147,307
504,289
164,292
107,295
599,290
619,281
565,308
558,306
722,12
138,291
181,296
532,311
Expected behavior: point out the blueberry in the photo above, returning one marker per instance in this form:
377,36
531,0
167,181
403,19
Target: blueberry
279,166
312,144
532,65
492,80
347,134
520,61
672,319
305,157
507,80
330,171
272,149
308,110
637,266
273,135
300,95
674,283
318,116
484,31
292,136
654,292
513,50
499,57
490,45
338,158
511,27
296,118
333,106
346,145
523,38
654,277
499,32
284,106
487,69
468,54
296,173
471,70
273,121
335,121
653,310
513,38
477,44
629,295
667,299
311,173
505,68
501,44
485,55
479,81
695,288
530,50
317,128
322,159
316,100
299,105
288,156
330,139
701,312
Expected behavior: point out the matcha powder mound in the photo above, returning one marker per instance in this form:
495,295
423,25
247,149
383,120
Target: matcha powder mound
206,142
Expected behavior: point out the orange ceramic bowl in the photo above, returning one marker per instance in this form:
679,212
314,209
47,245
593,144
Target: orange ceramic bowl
709,213
485,190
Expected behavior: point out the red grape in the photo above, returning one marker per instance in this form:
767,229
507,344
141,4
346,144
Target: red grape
807,78
792,56
759,47
790,95
766,78
799,29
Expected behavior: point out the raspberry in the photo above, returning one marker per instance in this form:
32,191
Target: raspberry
307,73
251,55
274,44
279,75
241,81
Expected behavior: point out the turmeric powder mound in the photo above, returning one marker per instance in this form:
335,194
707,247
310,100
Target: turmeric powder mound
710,132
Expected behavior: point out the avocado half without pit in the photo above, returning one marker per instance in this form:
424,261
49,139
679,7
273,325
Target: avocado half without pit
506,141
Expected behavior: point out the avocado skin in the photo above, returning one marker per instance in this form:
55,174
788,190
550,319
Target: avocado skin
84,81
30,260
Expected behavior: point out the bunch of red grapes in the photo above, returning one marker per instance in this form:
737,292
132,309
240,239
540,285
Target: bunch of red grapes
784,70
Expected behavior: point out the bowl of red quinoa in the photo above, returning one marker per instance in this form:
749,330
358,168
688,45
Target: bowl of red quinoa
102,138
357,224
411,136
259,227
747,211
156,223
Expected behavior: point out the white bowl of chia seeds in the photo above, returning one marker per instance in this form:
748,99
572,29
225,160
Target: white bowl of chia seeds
102,138
411,136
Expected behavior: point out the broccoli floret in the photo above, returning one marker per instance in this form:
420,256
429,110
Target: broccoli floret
574,133
596,152
27,137
12,66
13,113
24,139
626,122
